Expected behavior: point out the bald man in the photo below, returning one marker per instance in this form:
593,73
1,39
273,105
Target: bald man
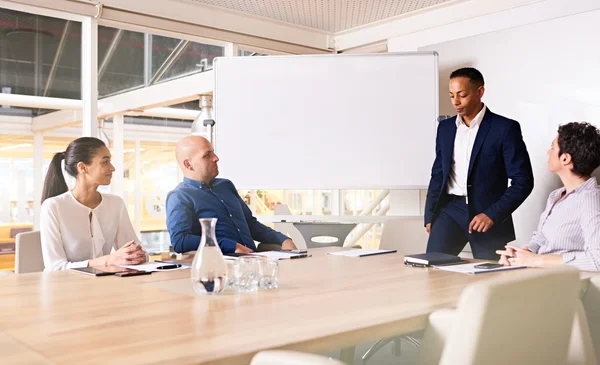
202,195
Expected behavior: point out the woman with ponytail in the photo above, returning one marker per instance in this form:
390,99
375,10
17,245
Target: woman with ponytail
80,227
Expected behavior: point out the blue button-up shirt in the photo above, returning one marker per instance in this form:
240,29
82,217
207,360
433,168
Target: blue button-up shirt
192,200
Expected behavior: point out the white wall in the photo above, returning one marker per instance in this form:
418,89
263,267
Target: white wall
541,74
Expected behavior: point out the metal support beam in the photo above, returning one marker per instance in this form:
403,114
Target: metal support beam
166,93
174,56
57,56
138,194
109,53
231,50
38,182
37,59
116,186
147,58
362,229
89,76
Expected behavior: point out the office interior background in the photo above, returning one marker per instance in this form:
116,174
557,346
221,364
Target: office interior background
151,61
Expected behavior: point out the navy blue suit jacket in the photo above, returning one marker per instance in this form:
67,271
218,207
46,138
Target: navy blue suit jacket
499,154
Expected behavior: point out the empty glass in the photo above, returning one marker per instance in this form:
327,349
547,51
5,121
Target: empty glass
249,273
233,272
269,274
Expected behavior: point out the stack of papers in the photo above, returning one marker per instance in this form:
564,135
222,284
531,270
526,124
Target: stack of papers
470,268
361,252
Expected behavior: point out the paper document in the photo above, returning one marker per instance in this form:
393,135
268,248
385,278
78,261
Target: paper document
154,266
361,252
280,255
470,268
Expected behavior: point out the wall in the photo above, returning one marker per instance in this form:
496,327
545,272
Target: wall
541,74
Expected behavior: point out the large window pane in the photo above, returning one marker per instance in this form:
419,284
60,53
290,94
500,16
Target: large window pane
195,58
32,61
122,54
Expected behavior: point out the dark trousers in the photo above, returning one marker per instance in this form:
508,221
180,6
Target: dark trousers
450,233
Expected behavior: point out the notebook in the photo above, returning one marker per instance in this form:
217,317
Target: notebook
431,258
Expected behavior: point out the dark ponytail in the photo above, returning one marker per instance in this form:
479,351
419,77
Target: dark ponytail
80,150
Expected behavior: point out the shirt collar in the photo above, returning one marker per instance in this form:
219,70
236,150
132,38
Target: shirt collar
196,183
589,184
476,121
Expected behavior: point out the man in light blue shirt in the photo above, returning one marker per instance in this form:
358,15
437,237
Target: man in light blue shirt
202,195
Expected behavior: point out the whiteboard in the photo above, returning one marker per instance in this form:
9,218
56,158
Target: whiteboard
327,121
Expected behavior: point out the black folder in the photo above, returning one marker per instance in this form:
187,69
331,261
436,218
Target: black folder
431,258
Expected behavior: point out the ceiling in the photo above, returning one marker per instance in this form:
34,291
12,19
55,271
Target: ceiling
328,15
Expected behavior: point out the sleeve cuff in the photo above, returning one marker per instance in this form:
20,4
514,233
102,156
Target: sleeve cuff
533,247
281,237
580,261
227,246
568,257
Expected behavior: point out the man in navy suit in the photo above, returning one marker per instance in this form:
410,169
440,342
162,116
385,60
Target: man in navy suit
477,152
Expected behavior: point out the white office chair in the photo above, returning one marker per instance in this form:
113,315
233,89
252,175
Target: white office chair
28,253
519,319
279,357
585,340
408,236
288,228
581,349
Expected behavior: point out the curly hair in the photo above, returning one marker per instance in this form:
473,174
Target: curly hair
581,140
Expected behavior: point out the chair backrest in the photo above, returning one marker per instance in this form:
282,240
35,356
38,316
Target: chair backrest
591,304
28,253
408,236
524,319
279,357
288,228
281,209
324,234
14,231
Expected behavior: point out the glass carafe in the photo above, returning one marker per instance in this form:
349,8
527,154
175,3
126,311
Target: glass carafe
208,269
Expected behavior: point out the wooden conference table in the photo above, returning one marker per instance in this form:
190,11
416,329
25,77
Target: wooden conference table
323,302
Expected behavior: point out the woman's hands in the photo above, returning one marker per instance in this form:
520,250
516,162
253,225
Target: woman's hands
130,254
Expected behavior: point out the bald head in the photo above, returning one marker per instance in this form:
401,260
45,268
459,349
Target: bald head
196,158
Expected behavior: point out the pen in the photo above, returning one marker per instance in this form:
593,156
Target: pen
173,263
300,256
169,267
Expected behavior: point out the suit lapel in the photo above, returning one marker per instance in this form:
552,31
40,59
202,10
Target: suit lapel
484,128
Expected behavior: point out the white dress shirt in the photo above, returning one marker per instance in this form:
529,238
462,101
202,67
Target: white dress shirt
463,147
70,239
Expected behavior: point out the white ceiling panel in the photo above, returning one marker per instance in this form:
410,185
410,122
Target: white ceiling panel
328,15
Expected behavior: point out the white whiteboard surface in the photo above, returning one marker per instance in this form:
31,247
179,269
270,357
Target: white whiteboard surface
327,121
